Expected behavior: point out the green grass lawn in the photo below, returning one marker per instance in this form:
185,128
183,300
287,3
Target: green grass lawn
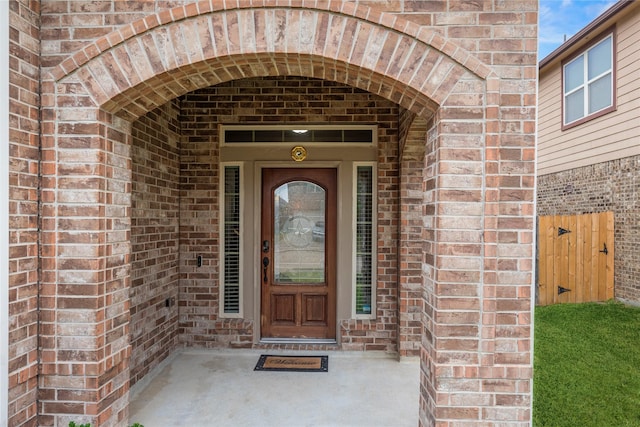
586,365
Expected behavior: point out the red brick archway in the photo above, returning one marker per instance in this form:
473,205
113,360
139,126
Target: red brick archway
197,46
92,97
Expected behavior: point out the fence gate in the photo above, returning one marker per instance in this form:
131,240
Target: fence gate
575,258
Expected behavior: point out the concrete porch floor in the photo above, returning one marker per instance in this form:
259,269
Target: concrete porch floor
220,388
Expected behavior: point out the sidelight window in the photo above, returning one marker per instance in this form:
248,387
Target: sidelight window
364,241
231,242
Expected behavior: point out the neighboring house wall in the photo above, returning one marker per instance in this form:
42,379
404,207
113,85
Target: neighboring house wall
609,137
595,166
607,186
24,128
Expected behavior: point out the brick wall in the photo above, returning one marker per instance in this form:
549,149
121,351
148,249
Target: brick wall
155,210
490,311
499,34
610,186
23,166
411,243
268,101
84,289
479,180
69,25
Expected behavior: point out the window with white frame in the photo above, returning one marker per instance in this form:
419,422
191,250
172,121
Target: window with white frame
231,242
588,82
364,240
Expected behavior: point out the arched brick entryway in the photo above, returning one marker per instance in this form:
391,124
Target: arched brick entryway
93,96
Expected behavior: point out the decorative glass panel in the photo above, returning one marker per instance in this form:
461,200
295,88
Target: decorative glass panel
231,221
299,227
364,239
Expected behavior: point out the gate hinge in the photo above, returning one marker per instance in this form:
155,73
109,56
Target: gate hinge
605,250
562,231
562,290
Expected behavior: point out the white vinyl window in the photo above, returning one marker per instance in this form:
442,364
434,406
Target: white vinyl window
231,242
364,240
588,82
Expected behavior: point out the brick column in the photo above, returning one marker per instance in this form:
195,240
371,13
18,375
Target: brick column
411,243
84,299
477,265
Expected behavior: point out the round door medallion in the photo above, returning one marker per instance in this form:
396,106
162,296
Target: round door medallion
298,153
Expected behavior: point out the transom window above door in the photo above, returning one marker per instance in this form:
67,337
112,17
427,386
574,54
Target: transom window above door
308,134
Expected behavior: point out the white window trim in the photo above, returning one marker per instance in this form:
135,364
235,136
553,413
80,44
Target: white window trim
585,85
240,313
374,240
372,128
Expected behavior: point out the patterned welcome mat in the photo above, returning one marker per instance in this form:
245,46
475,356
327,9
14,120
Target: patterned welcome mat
269,362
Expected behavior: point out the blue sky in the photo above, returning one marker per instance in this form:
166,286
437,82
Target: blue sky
565,17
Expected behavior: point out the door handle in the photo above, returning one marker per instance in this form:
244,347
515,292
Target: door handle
265,264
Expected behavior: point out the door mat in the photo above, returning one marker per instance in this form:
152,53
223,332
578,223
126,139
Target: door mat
269,362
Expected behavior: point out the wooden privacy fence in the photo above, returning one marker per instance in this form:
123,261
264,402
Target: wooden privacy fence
575,258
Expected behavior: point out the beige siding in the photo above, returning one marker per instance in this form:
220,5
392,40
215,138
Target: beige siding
613,136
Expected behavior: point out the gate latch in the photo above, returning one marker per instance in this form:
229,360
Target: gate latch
605,250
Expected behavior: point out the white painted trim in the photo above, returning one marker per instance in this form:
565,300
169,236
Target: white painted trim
4,219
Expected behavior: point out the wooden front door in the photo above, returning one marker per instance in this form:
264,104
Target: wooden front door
298,253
